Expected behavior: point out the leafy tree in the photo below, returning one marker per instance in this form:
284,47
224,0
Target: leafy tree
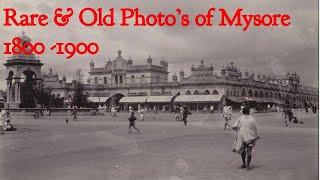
79,98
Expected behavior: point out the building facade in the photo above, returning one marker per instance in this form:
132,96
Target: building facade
152,80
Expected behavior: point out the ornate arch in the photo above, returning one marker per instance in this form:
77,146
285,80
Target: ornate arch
250,93
261,94
243,92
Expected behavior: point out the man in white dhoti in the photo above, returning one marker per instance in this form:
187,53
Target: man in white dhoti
246,136
141,112
227,116
3,116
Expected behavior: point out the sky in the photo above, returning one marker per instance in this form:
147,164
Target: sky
273,51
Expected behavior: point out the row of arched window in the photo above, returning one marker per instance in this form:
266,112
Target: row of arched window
206,92
270,94
119,79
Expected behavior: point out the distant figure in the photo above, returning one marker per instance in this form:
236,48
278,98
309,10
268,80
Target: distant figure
177,113
3,116
114,111
227,116
104,109
7,126
205,109
75,113
314,109
185,114
285,113
48,112
132,123
246,136
241,107
141,111
307,108
155,112
211,109
290,114
67,120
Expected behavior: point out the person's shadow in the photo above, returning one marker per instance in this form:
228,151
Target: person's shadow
252,167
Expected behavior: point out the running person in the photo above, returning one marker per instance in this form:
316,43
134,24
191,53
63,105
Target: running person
246,136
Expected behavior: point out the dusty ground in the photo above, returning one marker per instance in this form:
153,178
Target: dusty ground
100,148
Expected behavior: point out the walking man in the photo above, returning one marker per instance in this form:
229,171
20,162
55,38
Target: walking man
246,136
227,116
185,113
75,113
155,112
141,111
132,123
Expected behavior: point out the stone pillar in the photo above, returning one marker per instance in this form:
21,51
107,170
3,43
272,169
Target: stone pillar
15,92
8,91
18,91
11,92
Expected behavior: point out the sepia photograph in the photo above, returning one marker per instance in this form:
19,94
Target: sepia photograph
159,90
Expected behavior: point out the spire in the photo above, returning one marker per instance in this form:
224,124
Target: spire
119,52
129,62
91,63
149,60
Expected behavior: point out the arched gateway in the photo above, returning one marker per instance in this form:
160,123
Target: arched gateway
23,71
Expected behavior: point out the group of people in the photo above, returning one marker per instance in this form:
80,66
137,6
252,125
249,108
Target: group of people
245,126
313,107
182,114
6,121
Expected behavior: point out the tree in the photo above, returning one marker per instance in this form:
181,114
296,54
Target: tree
28,94
79,98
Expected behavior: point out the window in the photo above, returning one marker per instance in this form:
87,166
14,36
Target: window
121,79
207,92
132,79
116,80
261,94
196,92
250,93
188,93
243,93
215,92
143,79
96,81
105,80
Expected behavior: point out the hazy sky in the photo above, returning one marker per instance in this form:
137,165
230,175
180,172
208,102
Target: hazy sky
265,50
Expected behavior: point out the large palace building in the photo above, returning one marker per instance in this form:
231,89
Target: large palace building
121,81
